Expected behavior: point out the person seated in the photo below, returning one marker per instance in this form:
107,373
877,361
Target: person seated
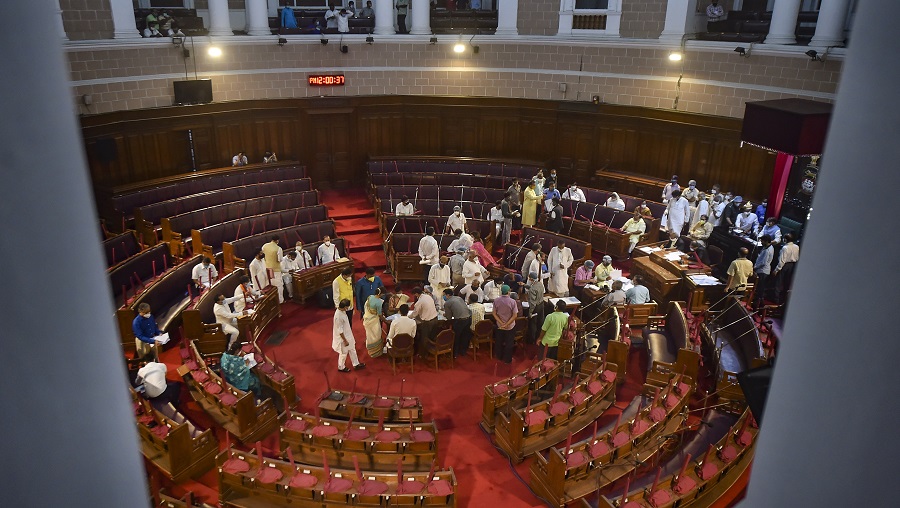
269,158
367,11
675,242
492,289
288,267
614,201
603,272
747,222
701,230
240,159
236,370
226,318
146,332
401,324
584,275
639,293
697,253
644,210
152,378
462,239
395,300
165,24
616,296
404,207
245,295
327,251
473,289
574,193
304,260
204,274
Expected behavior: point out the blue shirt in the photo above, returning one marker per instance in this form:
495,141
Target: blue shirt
637,295
761,213
764,261
550,194
287,18
364,289
145,329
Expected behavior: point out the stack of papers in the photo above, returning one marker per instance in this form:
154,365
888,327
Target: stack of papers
570,300
672,256
592,287
488,308
615,274
701,279
649,250
162,339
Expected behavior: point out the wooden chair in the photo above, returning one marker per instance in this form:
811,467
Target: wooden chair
521,329
484,334
441,345
402,347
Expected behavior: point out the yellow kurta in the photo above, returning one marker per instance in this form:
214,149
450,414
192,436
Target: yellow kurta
603,272
529,207
634,228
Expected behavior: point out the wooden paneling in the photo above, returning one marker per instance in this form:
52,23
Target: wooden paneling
334,136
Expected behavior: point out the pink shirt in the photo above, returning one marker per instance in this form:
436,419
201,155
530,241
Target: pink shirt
582,275
505,309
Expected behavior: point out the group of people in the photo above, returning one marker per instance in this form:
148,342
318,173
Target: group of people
163,24
334,18
240,159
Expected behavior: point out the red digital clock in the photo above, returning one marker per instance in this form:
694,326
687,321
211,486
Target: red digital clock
326,80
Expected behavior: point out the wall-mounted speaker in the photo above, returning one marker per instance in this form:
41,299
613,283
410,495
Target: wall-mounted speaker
197,91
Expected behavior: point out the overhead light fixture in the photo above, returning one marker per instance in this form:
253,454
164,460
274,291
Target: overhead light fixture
370,40
177,41
323,41
814,56
475,48
432,40
459,47
740,50
214,51
282,41
675,56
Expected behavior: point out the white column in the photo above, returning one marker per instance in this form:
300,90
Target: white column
784,22
830,25
566,13
59,21
508,17
219,22
124,26
421,17
679,20
384,17
257,17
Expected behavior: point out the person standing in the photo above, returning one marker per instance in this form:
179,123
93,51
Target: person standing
509,208
772,230
456,221
530,207
678,212
761,268
366,287
439,275
472,270
289,266
146,332
477,310
552,329
495,216
550,193
258,275
555,217
274,256
342,289
327,251
429,251
514,194
342,341
457,312
714,14
457,261
634,227
505,313
402,7
670,187
227,319
426,315
530,257
461,239
534,295
784,271
240,159
539,182
558,262
739,271
372,317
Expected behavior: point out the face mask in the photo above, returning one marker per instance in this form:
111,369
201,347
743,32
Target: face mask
145,315
692,186
327,243
371,279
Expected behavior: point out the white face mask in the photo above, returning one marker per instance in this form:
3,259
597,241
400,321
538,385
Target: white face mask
327,243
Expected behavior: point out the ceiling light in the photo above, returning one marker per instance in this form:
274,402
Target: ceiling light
214,51
459,47
675,56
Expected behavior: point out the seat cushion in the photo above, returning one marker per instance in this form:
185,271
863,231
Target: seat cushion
410,487
608,376
744,439
659,498
727,454
620,439
500,389
269,475
278,376
575,459
356,434
200,376
685,484
228,398
407,403
213,388
161,431
671,401
295,425
578,397
657,414
518,381
324,431
708,470
595,387
337,485
421,436
559,408
235,465
440,488
267,368
372,488
303,481
536,417
640,426
191,364
382,402
387,436
599,449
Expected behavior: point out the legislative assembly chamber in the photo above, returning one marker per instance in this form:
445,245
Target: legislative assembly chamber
565,254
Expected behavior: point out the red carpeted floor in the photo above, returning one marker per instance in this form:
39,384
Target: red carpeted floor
451,397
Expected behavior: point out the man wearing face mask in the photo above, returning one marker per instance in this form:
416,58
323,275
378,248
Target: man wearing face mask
534,294
457,220
604,271
304,260
274,255
258,275
635,227
772,230
472,269
146,333
460,316
691,193
404,208
747,222
670,187
509,208
558,262
227,319
327,251
429,251
245,295
495,215
366,287
678,213
342,290
552,178
342,341
462,239
731,211
716,209
701,230
574,193
439,275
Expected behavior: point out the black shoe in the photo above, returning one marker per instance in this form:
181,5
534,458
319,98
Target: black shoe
344,370
358,366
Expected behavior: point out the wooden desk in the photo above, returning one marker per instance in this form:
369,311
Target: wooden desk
661,280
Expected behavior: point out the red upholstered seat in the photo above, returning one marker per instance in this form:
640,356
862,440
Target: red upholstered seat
191,364
534,373
161,431
372,488
599,449
303,481
356,434
278,375
185,354
708,470
595,387
387,436
548,364
337,485
744,439
501,388
559,408
685,484
324,431
421,436
145,419
137,408
682,388
578,397
575,459
269,475
259,358
657,414
200,376
382,402
440,488
659,498
727,454
267,368
671,401
518,381
640,426
620,439
235,465
355,399
228,398
608,376
633,504
247,348
410,487
536,417
407,403
295,425
213,388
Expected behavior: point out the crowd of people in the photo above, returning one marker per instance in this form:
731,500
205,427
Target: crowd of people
161,24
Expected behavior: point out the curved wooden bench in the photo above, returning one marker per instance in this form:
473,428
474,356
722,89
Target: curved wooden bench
438,164
375,446
487,181
138,273
237,254
498,396
120,247
342,404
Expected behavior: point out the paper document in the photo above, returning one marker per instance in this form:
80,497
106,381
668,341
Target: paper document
649,250
701,279
488,308
250,312
592,287
162,339
570,300
251,360
615,274
672,256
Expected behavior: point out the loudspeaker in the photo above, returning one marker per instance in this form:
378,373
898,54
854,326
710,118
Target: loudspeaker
198,91
107,150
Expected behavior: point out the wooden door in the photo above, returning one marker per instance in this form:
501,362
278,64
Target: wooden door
332,150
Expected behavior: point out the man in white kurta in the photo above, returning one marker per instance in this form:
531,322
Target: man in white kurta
457,220
439,275
677,212
472,269
495,215
258,275
227,319
429,251
342,341
558,262
404,208
288,267
327,251
304,260
204,274
529,258
245,294
462,239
